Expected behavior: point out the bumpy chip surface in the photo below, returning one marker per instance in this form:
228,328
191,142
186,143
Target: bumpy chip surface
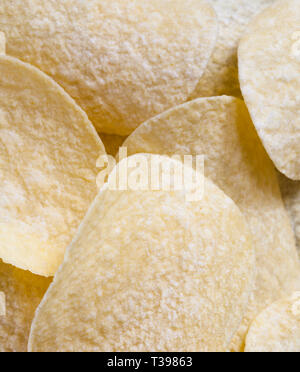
123,61
48,154
269,68
221,74
277,329
23,293
291,196
221,129
149,271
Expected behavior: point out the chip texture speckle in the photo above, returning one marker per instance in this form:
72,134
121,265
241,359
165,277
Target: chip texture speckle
269,70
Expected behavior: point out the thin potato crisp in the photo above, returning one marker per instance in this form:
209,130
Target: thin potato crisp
277,329
220,128
150,271
123,61
48,154
269,69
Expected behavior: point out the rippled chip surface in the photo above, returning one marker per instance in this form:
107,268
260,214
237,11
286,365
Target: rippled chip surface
277,329
149,271
48,153
122,61
269,68
221,129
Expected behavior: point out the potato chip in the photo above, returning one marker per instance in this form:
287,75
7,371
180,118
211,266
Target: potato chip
277,329
221,75
2,304
291,196
112,143
221,128
150,271
122,61
48,170
23,293
269,69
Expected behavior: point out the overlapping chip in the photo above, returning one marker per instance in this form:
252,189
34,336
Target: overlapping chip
269,70
23,293
277,329
221,75
291,196
220,128
48,154
150,271
122,61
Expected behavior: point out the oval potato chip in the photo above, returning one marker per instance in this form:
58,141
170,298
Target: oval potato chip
221,74
23,293
48,171
291,196
277,329
150,271
123,61
220,128
269,69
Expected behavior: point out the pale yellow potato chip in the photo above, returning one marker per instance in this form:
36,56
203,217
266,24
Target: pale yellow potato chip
291,196
269,69
48,170
2,304
277,329
221,129
221,74
112,143
150,271
23,293
123,61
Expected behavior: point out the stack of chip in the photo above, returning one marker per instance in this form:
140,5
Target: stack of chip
150,175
